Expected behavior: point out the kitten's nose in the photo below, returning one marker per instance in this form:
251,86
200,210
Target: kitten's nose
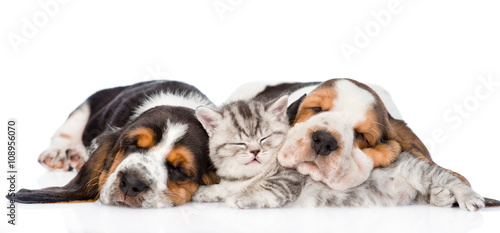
255,152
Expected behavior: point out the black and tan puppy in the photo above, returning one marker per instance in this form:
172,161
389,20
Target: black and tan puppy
139,146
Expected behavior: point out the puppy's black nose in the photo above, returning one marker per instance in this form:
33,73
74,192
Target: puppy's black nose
323,143
131,185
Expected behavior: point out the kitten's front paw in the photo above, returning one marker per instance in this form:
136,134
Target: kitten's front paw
466,198
250,202
442,197
206,194
241,202
470,201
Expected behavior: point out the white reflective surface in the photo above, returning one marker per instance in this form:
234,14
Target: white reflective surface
216,217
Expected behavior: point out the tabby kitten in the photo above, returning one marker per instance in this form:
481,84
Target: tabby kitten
245,137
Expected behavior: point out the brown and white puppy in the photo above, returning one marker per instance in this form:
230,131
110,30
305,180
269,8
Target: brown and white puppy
146,149
341,130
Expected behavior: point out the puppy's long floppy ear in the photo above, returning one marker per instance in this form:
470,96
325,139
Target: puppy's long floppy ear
407,139
292,110
210,177
409,142
83,188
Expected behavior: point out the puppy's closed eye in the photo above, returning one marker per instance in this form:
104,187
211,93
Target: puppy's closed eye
140,138
130,145
176,173
180,164
360,140
359,135
316,109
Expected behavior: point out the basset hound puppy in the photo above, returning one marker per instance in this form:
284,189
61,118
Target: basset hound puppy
341,130
139,146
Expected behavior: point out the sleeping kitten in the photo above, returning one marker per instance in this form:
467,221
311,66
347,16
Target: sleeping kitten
245,137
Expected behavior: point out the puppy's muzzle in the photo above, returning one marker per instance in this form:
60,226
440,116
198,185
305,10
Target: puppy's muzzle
131,185
323,143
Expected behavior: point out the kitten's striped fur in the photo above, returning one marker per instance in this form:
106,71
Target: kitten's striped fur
245,137
408,180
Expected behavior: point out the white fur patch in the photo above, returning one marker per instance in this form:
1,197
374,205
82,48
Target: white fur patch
193,100
173,132
73,126
352,101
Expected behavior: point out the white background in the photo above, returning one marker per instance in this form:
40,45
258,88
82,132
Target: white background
430,55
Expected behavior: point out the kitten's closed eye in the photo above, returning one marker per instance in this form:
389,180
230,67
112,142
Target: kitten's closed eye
238,144
263,140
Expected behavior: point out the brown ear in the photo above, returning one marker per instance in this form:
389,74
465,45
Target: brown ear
83,188
383,154
407,139
411,143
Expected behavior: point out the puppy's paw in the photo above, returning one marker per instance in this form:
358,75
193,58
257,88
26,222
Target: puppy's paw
77,156
63,158
442,197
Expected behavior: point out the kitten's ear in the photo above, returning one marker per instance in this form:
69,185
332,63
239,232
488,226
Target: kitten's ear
208,118
291,112
278,108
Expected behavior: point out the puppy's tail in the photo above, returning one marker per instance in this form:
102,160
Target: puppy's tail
491,202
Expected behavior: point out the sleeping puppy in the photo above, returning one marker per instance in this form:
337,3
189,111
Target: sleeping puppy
343,129
144,146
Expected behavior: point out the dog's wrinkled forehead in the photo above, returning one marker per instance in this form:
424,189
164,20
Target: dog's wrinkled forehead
151,138
147,157
352,100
